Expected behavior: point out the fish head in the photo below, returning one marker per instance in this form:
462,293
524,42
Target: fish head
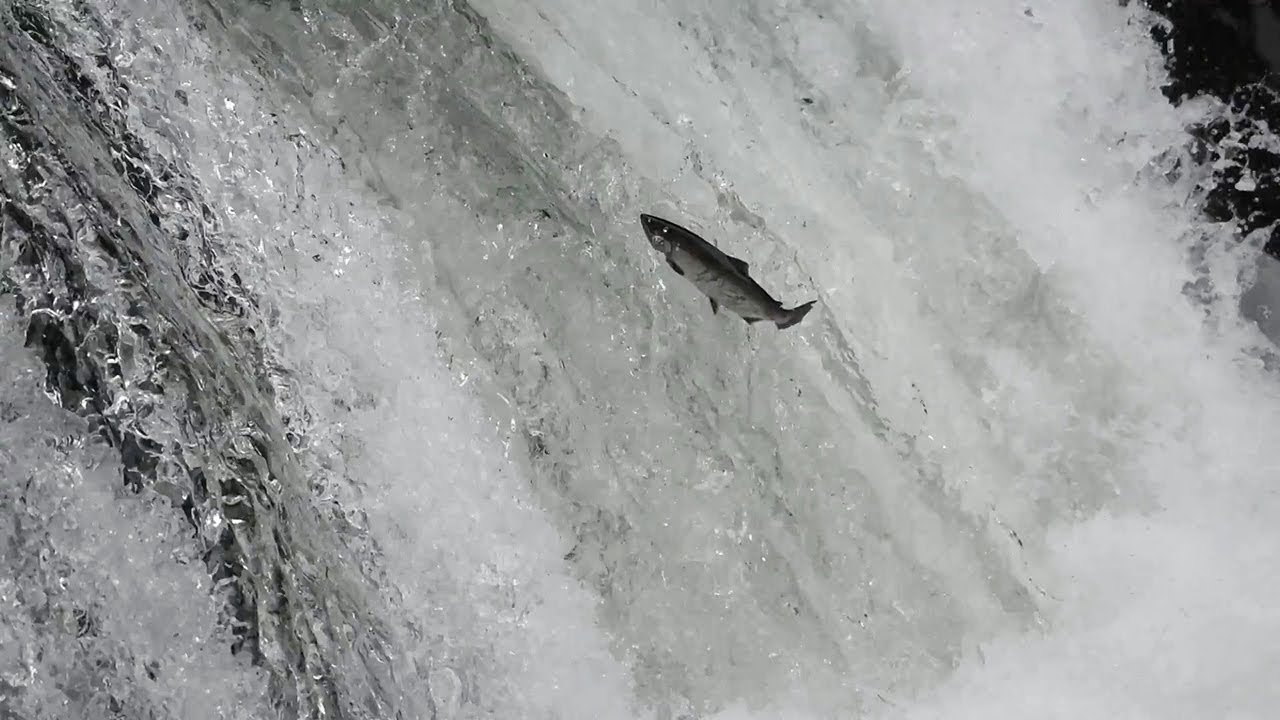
660,233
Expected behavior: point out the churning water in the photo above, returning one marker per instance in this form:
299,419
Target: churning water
340,381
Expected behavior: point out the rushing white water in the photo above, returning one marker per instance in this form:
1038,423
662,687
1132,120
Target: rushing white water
1004,467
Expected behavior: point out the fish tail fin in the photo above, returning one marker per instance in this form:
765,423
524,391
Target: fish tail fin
795,315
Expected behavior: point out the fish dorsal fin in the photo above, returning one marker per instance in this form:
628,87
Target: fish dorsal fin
740,265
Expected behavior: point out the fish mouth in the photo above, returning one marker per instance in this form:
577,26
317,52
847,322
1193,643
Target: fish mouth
658,231
653,225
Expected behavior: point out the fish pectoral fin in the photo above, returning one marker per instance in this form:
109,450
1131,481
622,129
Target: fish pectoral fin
741,265
715,306
752,321
674,266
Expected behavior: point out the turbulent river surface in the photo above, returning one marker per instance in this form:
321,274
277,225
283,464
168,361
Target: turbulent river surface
339,379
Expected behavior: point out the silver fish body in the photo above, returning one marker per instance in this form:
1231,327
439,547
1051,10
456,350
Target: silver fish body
725,279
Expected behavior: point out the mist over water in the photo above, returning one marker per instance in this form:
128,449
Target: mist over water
413,423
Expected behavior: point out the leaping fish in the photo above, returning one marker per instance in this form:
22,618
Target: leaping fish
722,278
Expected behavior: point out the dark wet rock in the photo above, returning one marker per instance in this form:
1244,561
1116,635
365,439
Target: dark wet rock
1230,49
